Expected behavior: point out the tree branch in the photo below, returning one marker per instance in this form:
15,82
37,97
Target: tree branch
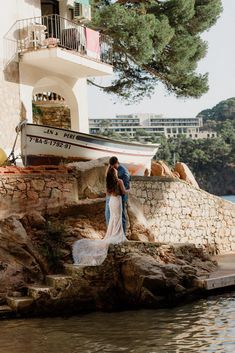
99,86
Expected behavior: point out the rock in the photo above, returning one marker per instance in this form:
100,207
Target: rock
157,169
134,274
19,262
179,288
146,172
185,174
176,175
160,168
91,177
3,156
38,184
36,220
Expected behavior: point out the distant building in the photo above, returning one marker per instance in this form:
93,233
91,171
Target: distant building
151,124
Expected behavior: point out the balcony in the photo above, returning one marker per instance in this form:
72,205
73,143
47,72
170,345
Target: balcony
58,45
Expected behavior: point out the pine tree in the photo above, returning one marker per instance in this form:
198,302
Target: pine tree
156,41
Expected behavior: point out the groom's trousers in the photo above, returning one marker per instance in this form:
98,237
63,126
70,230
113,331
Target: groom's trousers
107,211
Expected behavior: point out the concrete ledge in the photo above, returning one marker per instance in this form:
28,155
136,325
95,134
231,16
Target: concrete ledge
156,178
216,282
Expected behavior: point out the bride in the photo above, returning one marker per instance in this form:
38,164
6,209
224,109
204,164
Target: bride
89,252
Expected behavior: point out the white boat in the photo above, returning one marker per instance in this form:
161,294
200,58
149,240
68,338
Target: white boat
42,145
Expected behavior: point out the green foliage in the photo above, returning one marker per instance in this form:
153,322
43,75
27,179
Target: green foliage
36,110
141,132
207,155
114,135
224,110
156,41
199,155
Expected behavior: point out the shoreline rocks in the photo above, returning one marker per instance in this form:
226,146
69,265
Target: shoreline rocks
135,274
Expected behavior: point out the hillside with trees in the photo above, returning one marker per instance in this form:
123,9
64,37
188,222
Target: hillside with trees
211,160
223,111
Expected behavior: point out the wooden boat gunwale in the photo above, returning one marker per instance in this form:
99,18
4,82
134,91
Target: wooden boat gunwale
99,137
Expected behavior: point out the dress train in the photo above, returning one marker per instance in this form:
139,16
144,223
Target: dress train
89,252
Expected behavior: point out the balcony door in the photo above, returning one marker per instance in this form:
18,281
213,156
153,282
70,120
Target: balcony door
49,7
50,10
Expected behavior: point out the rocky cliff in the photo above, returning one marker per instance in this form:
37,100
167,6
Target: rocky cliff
218,182
135,274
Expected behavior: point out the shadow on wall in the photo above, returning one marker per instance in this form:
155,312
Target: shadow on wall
34,3
11,72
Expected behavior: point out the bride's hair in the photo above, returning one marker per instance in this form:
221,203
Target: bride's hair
112,180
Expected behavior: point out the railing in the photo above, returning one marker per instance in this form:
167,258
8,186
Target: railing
55,31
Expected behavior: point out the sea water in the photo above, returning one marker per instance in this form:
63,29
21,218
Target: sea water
207,325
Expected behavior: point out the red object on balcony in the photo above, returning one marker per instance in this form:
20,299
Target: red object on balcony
93,43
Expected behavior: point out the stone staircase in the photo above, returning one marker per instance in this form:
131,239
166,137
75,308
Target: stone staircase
15,305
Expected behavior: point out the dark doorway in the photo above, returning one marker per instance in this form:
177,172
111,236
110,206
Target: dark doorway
49,7
50,12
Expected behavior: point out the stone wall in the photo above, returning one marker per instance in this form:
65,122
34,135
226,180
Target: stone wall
57,116
178,212
175,211
44,192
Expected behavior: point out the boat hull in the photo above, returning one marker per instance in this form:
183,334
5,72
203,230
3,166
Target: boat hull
48,145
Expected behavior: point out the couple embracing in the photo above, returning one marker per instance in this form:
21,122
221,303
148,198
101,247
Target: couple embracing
88,252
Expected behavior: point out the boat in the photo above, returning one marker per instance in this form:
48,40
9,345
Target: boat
43,145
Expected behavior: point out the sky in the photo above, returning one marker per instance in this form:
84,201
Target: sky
219,63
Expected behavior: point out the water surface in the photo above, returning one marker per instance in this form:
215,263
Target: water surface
207,325
229,198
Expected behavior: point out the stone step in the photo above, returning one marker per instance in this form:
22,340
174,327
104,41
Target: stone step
58,281
5,309
71,269
37,291
19,303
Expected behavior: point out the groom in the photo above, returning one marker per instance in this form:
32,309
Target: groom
125,176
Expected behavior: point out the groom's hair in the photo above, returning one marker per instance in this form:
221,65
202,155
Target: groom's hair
113,160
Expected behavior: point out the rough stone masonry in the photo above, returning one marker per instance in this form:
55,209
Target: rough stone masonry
175,211
179,213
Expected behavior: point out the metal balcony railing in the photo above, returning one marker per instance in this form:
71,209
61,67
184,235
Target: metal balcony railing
55,31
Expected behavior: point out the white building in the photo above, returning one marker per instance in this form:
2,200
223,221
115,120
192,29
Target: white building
44,49
152,124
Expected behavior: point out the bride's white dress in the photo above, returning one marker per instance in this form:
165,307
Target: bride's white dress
89,252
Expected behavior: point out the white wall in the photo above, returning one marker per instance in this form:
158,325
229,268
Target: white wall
74,91
11,108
